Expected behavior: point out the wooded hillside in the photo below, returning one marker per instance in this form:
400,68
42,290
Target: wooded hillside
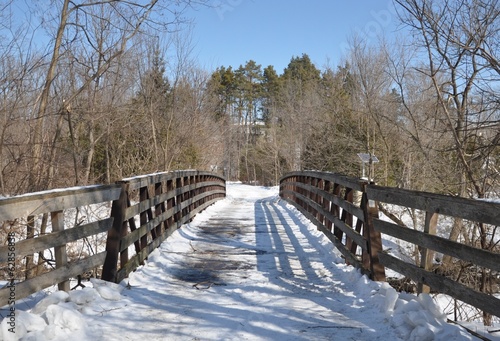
116,92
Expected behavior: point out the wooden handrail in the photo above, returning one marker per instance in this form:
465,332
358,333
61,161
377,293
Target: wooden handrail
161,202
325,199
435,205
27,207
338,206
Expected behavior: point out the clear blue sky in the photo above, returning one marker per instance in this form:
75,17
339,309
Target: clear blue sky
271,32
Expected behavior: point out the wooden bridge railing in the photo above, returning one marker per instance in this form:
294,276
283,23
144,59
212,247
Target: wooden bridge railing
150,209
477,212
144,211
19,217
327,200
340,209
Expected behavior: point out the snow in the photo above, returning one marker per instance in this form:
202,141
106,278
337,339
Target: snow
250,267
138,177
51,191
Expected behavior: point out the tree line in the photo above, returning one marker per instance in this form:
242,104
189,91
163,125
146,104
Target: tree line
117,93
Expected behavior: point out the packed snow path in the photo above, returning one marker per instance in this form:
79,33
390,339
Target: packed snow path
250,267
246,269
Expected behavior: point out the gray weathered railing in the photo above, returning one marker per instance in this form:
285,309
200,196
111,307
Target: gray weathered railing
434,205
161,203
28,209
327,200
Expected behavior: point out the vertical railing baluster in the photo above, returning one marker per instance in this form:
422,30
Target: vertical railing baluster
57,219
426,255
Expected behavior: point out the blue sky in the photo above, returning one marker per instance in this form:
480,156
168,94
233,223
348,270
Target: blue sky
272,31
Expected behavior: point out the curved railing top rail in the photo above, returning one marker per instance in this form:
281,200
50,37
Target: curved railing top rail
55,200
343,180
465,208
151,179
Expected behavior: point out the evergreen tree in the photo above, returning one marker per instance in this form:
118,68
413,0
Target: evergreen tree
154,86
223,84
271,87
302,69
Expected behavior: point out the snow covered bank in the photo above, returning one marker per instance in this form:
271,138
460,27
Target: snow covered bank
248,268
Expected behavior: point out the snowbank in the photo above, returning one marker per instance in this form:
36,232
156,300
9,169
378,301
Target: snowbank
63,315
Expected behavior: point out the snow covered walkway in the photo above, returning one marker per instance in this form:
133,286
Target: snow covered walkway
249,267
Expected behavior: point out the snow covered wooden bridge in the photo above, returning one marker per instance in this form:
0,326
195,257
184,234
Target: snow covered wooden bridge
251,267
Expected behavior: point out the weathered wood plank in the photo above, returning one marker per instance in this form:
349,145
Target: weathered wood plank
60,254
136,235
485,302
34,245
349,207
426,254
56,200
348,230
350,182
345,181
156,200
200,197
148,226
117,231
70,270
374,239
464,252
476,210
151,179
142,206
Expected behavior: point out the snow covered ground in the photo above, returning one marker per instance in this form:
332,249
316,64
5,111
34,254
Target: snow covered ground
249,267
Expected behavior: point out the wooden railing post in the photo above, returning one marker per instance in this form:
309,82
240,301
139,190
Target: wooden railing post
170,205
374,238
57,219
30,233
159,209
115,234
335,210
179,198
348,219
327,205
426,255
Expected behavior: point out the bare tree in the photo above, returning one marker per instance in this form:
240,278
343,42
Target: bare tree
105,29
459,40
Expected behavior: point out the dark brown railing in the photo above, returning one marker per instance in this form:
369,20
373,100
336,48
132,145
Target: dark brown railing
339,207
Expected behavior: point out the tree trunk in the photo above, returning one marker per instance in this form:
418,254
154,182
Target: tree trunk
37,136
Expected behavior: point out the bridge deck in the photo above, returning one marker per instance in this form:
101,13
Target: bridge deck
246,269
